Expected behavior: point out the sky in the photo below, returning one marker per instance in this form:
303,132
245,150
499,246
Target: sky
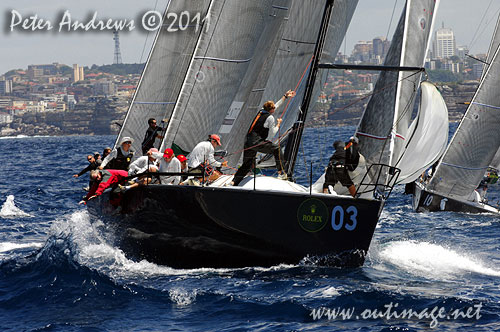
472,21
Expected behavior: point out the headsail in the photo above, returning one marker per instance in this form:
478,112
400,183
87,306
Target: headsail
384,127
429,136
165,69
476,141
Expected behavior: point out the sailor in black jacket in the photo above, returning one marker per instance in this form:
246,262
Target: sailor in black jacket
337,170
263,128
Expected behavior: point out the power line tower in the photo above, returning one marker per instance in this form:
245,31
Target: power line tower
118,55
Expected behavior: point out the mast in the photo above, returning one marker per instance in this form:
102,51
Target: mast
295,137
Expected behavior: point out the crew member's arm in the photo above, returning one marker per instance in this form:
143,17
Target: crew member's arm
108,158
83,171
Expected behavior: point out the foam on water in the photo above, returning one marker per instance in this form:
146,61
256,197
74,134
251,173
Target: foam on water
432,260
10,210
9,246
324,292
92,246
182,297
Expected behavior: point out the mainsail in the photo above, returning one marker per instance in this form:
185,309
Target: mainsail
476,141
384,128
293,58
238,31
165,69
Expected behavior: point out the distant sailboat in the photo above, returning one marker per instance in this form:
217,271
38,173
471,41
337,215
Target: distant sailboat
473,148
224,68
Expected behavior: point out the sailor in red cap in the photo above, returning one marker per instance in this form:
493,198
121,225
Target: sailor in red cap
170,164
203,155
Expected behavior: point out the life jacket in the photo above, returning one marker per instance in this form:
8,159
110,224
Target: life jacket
257,126
338,158
120,161
351,156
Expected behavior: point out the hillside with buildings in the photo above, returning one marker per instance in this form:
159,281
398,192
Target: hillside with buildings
346,93
56,99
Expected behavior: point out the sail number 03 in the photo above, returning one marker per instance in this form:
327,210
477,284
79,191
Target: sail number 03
338,216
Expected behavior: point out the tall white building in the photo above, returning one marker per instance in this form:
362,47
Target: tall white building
444,43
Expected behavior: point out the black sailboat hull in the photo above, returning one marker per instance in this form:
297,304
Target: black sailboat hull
186,226
426,201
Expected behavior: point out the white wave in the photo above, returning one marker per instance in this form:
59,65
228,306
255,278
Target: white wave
432,260
182,297
10,210
325,292
92,246
24,136
9,246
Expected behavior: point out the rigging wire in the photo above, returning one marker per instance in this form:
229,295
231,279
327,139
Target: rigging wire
146,39
471,43
392,17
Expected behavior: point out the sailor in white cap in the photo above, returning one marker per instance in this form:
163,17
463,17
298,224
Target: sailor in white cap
121,157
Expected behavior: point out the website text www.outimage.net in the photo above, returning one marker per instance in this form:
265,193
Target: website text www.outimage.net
392,311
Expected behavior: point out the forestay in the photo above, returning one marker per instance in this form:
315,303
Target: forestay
165,69
476,141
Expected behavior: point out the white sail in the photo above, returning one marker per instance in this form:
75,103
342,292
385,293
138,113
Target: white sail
475,142
239,31
429,135
165,69
385,125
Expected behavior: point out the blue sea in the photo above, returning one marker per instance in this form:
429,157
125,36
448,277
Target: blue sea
59,269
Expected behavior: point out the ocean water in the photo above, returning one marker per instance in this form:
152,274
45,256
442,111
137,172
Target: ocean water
59,270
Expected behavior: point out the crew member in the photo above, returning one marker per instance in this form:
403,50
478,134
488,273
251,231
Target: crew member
103,179
170,164
259,137
152,134
93,165
184,165
352,153
202,155
144,163
337,171
121,157
105,152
